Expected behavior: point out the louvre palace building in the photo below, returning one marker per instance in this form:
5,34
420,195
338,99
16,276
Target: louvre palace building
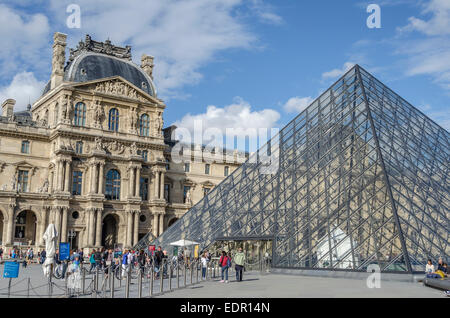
91,155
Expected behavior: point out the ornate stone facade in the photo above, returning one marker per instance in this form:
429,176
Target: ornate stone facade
91,157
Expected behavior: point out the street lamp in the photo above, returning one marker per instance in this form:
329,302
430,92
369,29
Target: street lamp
72,234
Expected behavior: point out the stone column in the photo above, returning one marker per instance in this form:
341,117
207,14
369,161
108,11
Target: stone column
161,224
58,175
64,224
136,228
98,230
67,177
161,188
42,226
129,228
95,178
58,222
151,190
91,227
50,181
156,184
155,224
138,181
10,226
100,181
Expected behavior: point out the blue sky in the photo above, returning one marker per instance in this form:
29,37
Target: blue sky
237,63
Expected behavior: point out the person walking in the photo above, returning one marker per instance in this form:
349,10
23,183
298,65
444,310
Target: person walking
43,256
204,261
225,263
158,260
1,254
125,263
92,261
239,260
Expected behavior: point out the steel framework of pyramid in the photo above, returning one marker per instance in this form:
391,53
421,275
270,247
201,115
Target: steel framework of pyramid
362,179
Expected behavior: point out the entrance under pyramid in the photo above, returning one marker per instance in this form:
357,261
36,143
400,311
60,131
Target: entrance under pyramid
362,179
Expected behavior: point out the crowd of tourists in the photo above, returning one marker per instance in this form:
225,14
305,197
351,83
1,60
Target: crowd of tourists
106,259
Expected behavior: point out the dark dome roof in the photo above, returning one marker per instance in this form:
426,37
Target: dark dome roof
91,66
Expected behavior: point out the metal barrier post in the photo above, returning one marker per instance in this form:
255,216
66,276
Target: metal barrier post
9,287
196,269
97,274
67,286
184,274
83,283
28,289
170,276
192,267
111,279
152,273
104,284
140,284
161,277
127,287
178,274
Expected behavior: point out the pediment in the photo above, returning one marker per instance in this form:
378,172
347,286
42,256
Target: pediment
116,86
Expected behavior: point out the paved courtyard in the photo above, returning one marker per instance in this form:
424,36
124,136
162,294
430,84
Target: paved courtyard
254,285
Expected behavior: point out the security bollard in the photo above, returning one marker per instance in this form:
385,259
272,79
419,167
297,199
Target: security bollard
191,268
196,270
28,289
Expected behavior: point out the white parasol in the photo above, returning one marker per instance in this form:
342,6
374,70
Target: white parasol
50,238
184,243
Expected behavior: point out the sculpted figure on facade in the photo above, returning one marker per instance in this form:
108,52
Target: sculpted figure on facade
98,144
98,112
133,119
133,149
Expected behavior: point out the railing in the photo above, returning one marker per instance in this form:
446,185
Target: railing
115,281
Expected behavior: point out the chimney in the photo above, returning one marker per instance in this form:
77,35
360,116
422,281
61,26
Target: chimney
8,107
147,64
58,59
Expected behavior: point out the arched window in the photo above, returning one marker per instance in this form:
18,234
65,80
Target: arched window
80,114
113,119
144,125
112,191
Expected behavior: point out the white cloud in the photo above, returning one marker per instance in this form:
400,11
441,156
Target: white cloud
429,54
265,12
24,39
182,35
24,88
338,72
438,24
238,116
297,104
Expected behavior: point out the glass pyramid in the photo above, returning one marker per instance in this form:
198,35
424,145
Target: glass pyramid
362,179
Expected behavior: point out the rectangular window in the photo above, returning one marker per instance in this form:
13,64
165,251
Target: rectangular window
226,171
143,191
77,178
25,146
206,191
167,192
22,183
144,155
187,167
167,164
207,168
185,193
79,147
